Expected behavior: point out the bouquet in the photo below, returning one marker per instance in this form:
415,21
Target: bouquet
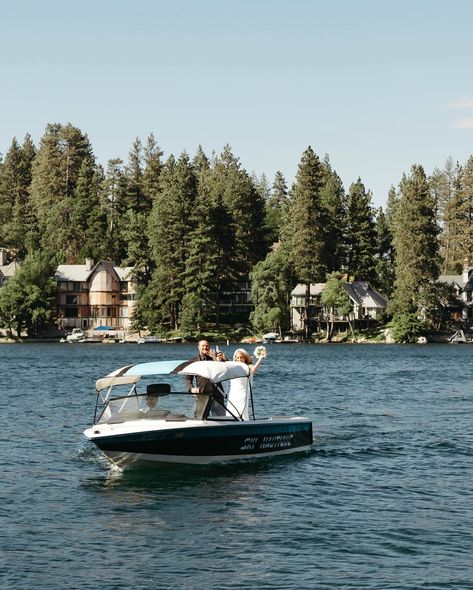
260,352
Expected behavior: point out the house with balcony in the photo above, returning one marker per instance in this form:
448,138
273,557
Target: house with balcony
368,305
92,295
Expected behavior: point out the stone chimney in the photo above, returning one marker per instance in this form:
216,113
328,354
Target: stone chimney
89,263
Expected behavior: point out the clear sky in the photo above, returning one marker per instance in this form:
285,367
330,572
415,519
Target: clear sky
378,85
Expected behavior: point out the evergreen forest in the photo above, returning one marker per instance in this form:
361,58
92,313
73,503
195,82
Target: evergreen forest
194,226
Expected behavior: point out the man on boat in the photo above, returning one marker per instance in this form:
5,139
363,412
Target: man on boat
203,385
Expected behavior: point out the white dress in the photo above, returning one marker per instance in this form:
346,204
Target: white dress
239,395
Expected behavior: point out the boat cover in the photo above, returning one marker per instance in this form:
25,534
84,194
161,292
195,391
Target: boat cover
216,371
213,370
110,380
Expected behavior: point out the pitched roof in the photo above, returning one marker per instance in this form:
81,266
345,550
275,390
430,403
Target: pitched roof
360,292
451,279
315,289
82,273
363,294
8,270
72,272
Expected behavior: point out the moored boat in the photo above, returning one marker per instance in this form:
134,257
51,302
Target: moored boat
77,335
160,423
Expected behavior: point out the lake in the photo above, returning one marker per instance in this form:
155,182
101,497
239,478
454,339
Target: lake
384,500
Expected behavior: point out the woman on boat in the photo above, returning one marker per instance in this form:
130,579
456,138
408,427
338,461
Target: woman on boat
238,396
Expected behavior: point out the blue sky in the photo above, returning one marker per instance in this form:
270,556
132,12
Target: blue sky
378,85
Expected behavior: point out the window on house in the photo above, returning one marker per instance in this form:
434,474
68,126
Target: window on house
71,299
73,286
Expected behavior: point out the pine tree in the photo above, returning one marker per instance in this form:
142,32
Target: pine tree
334,202
114,200
56,170
262,186
246,207
152,168
415,239
307,227
465,193
89,239
138,200
276,208
168,231
17,223
384,259
444,187
361,234
206,258
138,194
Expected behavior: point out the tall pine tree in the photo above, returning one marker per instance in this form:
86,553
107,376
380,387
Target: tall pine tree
415,239
56,170
17,223
307,227
168,230
334,202
276,208
361,234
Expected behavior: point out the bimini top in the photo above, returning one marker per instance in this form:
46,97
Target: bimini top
213,370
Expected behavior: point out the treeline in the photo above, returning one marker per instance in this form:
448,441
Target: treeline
193,227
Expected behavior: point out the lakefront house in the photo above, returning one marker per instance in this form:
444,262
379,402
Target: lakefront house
368,304
92,296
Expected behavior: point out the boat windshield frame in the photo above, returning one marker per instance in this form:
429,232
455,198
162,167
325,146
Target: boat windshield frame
214,371
113,408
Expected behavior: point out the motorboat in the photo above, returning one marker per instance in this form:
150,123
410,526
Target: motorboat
76,335
140,421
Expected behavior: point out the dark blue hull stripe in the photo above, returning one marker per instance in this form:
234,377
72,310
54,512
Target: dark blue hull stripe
243,439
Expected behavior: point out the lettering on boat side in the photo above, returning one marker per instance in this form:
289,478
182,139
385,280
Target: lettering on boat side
249,443
276,441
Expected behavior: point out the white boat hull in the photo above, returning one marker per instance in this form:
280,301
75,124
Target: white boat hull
200,442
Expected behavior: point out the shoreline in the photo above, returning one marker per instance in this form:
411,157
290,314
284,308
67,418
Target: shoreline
236,343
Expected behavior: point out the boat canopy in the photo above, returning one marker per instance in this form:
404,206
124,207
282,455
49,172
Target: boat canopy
213,370
110,380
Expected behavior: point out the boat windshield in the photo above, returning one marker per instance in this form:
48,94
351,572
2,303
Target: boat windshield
168,406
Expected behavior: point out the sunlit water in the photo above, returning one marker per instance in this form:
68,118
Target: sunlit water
384,500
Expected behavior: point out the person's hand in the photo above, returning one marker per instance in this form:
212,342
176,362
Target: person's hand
220,356
195,390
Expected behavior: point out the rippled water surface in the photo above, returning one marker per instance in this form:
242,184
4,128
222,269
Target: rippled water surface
384,500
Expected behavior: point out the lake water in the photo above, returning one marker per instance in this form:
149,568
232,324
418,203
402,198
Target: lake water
384,500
